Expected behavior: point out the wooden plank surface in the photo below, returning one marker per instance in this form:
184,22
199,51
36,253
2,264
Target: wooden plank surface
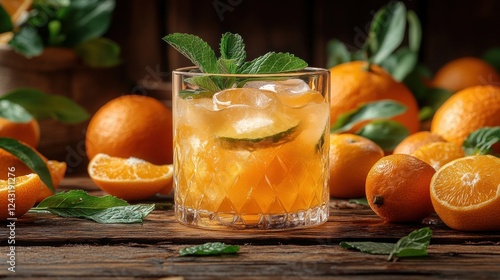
50,247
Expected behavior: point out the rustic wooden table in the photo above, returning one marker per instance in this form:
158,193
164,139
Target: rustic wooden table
50,247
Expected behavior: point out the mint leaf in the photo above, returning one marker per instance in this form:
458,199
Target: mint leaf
273,63
43,106
195,49
205,82
386,133
413,245
480,142
213,248
14,112
232,47
381,109
106,209
123,214
374,248
29,157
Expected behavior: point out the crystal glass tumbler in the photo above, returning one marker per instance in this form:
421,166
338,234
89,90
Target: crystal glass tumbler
251,151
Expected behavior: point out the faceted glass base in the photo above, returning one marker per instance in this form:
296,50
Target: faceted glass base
229,221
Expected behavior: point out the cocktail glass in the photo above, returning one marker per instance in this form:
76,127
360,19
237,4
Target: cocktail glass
253,155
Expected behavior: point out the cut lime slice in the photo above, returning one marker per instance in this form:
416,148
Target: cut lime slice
258,131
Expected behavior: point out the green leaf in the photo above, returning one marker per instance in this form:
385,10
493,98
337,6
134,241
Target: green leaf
273,63
14,112
360,201
195,49
480,141
386,133
337,53
415,81
435,97
406,60
413,245
227,66
389,29
84,20
99,53
374,248
106,209
492,57
29,157
27,42
55,36
42,105
414,32
5,21
381,109
233,47
205,82
211,248
425,113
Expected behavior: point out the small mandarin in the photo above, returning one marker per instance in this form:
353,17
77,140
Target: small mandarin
397,188
416,140
28,133
351,157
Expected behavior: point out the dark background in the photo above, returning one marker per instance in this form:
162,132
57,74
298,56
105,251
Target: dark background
450,29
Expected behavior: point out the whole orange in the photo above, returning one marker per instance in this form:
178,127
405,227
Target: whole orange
466,111
351,157
465,72
28,133
132,126
352,85
416,140
397,188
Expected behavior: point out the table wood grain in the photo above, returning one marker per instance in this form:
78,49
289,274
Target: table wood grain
51,247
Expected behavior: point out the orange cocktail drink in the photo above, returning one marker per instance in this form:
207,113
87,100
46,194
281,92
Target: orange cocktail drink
254,155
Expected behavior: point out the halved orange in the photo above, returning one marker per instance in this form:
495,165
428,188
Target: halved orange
465,193
129,178
438,154
18,194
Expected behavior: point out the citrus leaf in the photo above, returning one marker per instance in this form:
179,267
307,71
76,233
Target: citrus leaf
105,209
29,157
413,245
337,53
389,30
99,53
360,201
414,31
195,49
211,248
406,60
435,97
386,133
381,109
42,105
5,21
273,62
14,112
27,42
480,141
492,57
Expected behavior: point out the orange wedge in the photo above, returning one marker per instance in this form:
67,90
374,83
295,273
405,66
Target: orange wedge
18,194
129,178
57,170
465,193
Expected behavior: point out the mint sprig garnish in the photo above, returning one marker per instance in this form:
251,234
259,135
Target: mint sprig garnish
413,245
231,61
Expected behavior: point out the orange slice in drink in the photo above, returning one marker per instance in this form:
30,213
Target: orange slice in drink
18,195
465,193
129,178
